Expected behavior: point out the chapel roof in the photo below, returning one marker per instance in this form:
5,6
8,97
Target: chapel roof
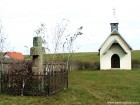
115,32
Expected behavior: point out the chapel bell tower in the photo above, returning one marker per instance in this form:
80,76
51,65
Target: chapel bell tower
114,22
114,26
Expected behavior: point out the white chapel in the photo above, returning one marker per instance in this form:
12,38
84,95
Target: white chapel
115,52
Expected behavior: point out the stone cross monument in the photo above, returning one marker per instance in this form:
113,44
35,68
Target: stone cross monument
37,52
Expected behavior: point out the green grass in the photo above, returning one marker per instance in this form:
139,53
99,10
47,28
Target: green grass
90,56
88,88
94,56
86,56
136,55
82,56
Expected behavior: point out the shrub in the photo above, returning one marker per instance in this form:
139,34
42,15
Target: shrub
82,65
18,75
135,63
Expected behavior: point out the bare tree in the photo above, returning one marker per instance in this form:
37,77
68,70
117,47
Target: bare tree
69,43
63,41
2,38
2,45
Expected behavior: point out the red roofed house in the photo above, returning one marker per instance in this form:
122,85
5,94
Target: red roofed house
13,55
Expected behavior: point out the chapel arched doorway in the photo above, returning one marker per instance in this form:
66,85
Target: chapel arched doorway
115,61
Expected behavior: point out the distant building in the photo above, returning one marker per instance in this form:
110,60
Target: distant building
115,52
13,55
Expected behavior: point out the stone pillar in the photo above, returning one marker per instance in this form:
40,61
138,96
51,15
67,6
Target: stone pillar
37,52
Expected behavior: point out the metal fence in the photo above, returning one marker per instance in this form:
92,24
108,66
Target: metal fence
55,78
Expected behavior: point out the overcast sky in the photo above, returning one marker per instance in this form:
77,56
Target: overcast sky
21,17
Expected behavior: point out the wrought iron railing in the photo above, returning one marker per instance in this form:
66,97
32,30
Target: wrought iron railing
55,78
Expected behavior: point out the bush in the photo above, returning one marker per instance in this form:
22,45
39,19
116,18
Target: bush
82,65
135,63
17,76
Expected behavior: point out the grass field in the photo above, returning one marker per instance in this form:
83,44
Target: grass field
89,88
92,56
136,55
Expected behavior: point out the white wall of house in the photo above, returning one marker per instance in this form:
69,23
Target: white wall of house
105,58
